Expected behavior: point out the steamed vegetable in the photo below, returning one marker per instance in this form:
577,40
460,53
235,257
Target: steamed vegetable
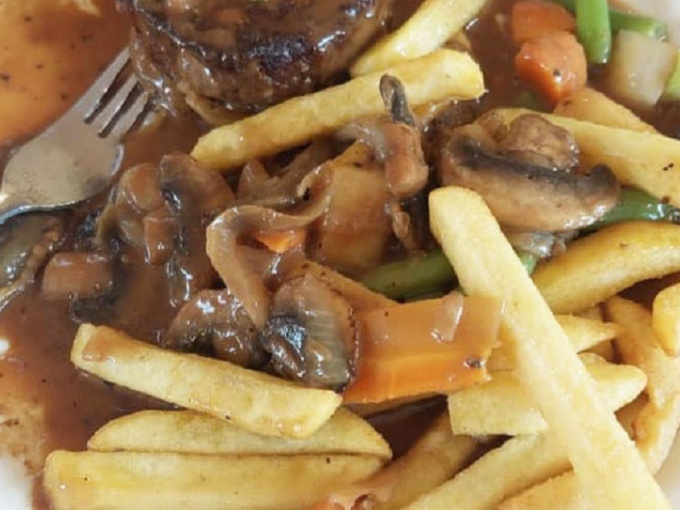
594,29
621,20
554,65
431,346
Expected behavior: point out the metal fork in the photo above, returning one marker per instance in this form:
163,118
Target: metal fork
76,157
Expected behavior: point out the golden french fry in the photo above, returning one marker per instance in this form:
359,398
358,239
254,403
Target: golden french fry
518,463
666,319
583,334
591,105
594,313
604,350
192,432
648,161
657,424
435,457
450,74
502,406
600,265
559,493
255,401
433,23
168,481
604,458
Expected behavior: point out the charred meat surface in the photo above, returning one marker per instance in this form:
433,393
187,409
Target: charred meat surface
247,55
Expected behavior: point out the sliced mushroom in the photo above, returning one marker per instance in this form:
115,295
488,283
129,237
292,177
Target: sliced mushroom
77,275
526,196
523,174
215,323
196,194
533,139
311,334
395,143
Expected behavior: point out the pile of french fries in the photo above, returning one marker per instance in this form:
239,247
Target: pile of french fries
583,401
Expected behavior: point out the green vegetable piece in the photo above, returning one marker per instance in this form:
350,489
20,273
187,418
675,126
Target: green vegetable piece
419,275
594,29
422,276
528,259
672,90
621,20
635,205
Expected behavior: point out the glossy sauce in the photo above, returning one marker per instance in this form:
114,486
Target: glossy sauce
50,53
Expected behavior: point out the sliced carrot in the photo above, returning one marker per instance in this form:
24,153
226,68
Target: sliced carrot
535,18
554,65
281,241
430,346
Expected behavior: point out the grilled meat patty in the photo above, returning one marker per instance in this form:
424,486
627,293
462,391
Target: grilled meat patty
248,54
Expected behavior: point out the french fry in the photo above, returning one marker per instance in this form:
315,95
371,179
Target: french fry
600,265
502,406
450,74
434,458
559,493
592,105
255,401
666,319
433,23
134,480
518,463
192,432
658,422
605,460
648,161
654,422
582,333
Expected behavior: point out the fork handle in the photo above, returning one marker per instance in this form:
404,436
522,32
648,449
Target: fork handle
9,206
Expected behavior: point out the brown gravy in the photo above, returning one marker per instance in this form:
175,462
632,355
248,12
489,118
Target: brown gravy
49,54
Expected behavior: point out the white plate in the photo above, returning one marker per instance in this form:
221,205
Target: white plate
15,487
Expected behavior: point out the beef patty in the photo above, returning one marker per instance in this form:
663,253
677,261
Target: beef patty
248,54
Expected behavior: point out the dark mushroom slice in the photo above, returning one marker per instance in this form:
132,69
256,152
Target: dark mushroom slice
311,334
395,143
213,322
78,275
394,97
533,139
526,196
196,195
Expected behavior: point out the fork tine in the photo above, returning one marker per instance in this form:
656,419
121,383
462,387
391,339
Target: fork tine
114,105
90,102
129,116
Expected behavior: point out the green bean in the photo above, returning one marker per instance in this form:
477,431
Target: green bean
418,275
422,276
621,20
635,204
672,90
594,29
528,259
